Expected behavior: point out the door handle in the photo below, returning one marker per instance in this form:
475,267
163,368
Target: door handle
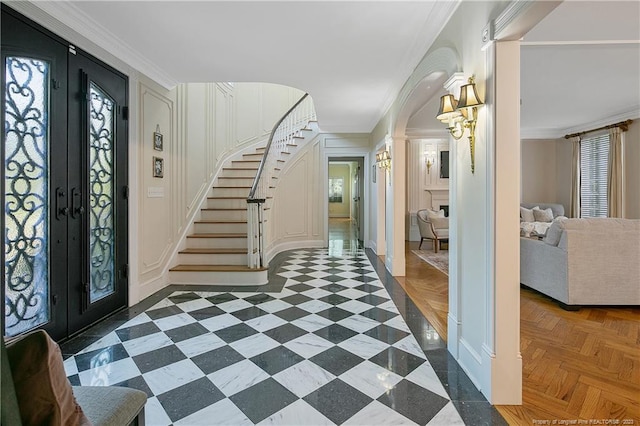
77,209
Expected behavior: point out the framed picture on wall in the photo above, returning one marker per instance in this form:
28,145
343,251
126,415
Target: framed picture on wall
335,190
158,167
158,145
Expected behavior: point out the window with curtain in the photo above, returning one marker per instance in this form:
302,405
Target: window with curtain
594,157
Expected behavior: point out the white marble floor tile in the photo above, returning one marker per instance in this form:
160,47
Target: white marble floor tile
316,293
358,323
317,282
194,305
110,374
426,377
254,345
104,342
234,305
297,414
363,346
219,322
154,414
285,291
398,322
174,321
370,379
161,304
314,306
312,322
137,320
304,378
347,274
200,344
265,322
319,273
378,414
70,366
448,416
237,377
274,306
409,344
172,376
147,343
352,293
223,412
289,274
388,306
351,283
354,306
308,345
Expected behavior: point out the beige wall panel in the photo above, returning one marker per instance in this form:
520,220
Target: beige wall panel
247,112
539,181
632,171
195,142
294,191
275,102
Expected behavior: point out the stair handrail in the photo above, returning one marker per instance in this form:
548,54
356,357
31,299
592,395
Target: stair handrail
289,126
256,181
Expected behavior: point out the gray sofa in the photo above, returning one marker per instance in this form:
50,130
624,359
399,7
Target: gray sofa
585,262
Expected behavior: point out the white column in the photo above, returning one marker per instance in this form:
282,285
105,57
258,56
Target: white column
398,205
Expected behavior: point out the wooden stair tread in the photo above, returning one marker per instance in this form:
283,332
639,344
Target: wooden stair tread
239,168
219,235
239,187
245,161
214,251
220,221
226,198
209,210
214,268
233,177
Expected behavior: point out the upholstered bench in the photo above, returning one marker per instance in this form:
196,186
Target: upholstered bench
36,391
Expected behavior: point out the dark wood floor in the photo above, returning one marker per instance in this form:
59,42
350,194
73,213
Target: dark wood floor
582,365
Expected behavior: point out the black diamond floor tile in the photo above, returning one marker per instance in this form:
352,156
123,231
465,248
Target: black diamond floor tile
335,333
296,299
398,361
378,314
263,399
386,334
337,401
217,359
181,402
221,298
373,300
413,401
101,357
235,332
249,313
137,382
259,298
292,313
276,360
336,360
158,358
285,332
136,331
167,311
204,313
186,332
334,299
185,297
299,287
335,314
368,288
334,288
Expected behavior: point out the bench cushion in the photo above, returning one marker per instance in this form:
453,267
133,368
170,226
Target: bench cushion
110,405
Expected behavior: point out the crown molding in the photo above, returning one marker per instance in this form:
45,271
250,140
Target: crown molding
65,19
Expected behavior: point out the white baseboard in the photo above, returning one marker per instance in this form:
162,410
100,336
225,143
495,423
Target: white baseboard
471,362
292,245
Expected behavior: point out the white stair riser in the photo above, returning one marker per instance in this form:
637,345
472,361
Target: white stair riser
235,182
213,228
254,156
245,163
212,259
218,277
240,173
229,192
227,203
217,243
223,214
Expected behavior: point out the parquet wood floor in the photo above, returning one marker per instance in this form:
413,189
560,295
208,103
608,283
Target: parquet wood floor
578,367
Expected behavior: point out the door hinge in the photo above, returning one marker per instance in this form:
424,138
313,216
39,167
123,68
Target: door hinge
125,192
72,49
55,84
54,299
125,113
125,271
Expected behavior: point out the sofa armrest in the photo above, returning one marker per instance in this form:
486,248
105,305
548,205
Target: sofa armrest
544,268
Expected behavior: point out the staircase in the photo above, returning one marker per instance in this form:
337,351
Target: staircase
216,252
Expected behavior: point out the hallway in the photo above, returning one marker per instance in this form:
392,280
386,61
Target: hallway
327,341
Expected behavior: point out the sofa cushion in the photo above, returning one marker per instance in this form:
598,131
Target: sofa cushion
554,232
526,215
541,215
43,391
110,405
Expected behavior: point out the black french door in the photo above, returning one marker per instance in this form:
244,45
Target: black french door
64,149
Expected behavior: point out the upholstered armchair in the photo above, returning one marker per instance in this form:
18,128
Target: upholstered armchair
433,226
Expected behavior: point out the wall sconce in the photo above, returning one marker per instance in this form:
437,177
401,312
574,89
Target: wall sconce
430,160
383,160
462,114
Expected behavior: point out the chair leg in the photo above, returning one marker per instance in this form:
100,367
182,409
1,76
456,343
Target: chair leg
435,245
421,240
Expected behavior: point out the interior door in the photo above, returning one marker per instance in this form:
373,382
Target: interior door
64,148
356,201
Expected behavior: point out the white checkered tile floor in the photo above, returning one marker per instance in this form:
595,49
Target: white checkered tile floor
330,348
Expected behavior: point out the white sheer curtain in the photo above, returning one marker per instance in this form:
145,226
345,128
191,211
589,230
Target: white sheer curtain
574,208
614,187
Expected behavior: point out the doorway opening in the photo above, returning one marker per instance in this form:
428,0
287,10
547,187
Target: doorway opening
346,204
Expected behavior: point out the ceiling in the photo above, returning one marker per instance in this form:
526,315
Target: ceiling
352,57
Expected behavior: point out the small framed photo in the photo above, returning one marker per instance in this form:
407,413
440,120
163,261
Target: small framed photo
158,167
157,141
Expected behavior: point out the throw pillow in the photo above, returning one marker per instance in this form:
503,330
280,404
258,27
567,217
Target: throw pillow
554,233
44,393
432,214
540,215
526,214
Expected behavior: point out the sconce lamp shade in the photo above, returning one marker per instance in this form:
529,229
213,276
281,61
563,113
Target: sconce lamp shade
468,96
448,108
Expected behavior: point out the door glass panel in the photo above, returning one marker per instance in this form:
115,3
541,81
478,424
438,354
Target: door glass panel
26,138
101,174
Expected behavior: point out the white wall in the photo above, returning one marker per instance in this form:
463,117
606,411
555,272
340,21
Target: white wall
539,179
